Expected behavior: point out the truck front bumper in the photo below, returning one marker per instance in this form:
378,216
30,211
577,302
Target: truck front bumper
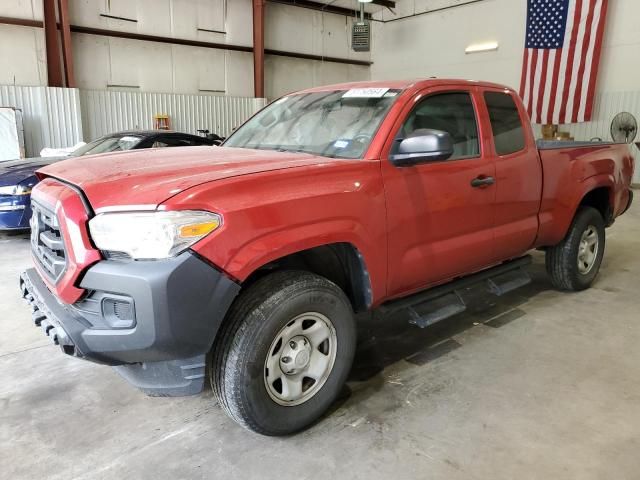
154,321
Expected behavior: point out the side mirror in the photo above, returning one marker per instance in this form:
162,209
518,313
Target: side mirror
424,145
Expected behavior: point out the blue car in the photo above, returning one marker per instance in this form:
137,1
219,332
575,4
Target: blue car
17,177
16,181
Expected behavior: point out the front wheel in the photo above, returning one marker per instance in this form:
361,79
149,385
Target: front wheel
284,353
574,263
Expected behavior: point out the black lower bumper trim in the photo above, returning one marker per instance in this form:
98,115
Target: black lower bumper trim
178,305
174,378
46,315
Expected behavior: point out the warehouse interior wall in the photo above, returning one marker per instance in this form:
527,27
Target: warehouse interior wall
417,46
433,44
103,62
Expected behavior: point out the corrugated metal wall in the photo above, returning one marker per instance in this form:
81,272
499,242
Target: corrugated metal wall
51,116
62,117
109,111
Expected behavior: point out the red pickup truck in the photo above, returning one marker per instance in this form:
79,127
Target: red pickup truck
247,262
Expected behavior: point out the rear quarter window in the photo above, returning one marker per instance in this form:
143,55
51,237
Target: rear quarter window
508,134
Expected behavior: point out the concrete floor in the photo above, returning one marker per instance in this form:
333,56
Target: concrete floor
538,385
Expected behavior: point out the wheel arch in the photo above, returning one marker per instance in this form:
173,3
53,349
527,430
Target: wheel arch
341,262
600,199
596,191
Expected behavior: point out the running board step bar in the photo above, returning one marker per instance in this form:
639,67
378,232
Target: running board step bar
439,303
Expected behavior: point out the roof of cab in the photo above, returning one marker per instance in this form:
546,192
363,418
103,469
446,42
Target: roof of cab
404,84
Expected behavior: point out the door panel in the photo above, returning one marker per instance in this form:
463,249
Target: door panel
439,225
518,175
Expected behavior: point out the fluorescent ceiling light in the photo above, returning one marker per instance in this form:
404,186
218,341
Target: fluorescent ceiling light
365,1
481,47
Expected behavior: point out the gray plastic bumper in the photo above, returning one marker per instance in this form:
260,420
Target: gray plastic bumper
155,320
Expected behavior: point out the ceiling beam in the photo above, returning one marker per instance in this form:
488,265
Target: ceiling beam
22,22
179,41
321,7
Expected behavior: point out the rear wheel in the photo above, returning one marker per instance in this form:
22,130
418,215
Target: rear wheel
574,263
284,353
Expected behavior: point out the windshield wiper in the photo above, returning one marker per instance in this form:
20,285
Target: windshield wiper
279,148
293,150
310,152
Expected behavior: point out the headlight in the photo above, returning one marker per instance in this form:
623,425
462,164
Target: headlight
20,189
151,235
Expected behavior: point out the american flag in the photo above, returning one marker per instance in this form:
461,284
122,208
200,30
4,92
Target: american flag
561,58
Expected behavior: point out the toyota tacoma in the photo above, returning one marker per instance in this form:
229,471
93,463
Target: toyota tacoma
244,265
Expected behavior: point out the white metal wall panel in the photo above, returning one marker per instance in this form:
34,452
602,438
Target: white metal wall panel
51,116
110,111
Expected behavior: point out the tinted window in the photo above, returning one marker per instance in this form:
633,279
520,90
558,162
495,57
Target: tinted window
449,112
173,142
508,134
108,144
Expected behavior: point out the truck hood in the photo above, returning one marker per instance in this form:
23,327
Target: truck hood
146,178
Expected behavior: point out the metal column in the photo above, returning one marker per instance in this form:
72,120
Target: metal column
54,67
258,48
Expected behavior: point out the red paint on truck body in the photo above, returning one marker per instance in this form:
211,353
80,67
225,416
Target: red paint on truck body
73,217
415,227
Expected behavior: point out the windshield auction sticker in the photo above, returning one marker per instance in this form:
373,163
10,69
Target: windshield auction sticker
365,93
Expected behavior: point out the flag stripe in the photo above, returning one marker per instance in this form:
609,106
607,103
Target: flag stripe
588,61
569,84
564,60
584,49
536,87
551,102
542,85
523,77
595,64
573,39
532,75
560,79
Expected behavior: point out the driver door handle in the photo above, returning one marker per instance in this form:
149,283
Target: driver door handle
482,181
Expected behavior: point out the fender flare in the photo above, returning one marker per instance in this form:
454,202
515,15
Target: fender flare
278,244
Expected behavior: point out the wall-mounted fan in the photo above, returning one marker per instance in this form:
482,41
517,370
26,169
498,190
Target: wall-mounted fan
624,127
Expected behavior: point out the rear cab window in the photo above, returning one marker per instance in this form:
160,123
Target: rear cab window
506,124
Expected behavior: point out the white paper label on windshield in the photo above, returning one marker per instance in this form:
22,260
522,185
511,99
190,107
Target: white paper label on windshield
365,93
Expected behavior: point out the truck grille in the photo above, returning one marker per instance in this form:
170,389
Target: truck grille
47,243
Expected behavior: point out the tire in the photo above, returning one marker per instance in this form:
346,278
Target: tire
563,264
245,360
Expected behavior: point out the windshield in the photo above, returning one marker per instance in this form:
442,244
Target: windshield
338,124
108,144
